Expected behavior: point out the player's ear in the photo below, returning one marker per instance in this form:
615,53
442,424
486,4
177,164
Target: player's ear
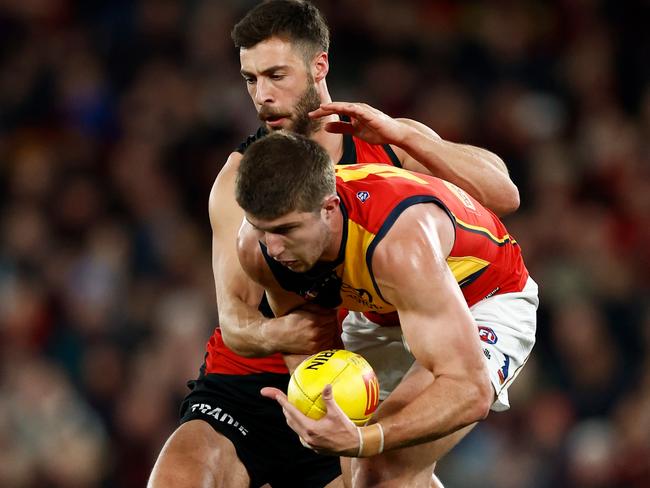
320,66
331,204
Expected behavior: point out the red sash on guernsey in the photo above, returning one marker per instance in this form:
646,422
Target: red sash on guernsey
219,358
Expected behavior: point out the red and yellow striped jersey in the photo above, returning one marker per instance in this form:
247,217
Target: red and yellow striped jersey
485,258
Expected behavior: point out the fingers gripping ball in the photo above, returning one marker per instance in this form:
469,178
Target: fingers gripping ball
354,385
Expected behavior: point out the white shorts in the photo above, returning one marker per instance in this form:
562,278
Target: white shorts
506,325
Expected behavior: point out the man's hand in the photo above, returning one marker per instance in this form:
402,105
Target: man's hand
333,434
419,148
306,330
366,122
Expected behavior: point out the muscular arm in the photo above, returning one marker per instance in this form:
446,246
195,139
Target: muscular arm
238,297
283,302
245,330
410,269
436,324
478,171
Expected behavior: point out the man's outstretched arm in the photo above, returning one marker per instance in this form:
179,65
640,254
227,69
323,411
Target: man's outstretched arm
478,171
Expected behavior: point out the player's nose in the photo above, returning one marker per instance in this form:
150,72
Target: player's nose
263,92
274,245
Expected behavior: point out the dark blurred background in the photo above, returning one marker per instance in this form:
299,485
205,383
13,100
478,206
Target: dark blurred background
115,118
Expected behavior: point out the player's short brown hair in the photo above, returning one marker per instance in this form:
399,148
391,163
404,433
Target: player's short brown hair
295,20
282,173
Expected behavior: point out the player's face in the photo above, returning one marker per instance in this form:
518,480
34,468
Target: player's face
296,240
280,85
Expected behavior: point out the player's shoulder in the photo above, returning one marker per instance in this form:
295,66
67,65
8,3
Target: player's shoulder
251,257
222,195
416,231
248,243
227,174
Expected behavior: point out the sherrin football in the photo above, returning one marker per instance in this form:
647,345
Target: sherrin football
354,385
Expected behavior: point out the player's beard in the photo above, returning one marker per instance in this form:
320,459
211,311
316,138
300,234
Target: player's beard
301,122
308,102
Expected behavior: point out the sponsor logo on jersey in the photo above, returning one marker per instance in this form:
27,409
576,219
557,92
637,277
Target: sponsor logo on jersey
503,372
492,292
220,415
363,196
359,295
372,392
461,195
487,335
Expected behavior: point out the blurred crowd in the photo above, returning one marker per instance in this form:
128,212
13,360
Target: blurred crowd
115,118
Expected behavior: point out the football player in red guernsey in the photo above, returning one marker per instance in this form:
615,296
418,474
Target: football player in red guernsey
225,423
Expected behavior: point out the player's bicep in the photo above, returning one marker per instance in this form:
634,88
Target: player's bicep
411,270
231,282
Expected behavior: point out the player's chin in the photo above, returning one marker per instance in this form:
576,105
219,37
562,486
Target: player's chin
300,267
295,265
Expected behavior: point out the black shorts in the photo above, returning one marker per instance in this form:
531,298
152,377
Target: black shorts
268,448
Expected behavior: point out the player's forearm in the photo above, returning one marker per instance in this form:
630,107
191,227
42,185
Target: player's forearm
445,407
480,172
244,330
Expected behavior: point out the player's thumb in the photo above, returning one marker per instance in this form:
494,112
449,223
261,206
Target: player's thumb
328,398
270,392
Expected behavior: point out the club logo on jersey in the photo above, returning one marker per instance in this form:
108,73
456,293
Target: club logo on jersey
372,392
487,335
325,291
503,372
363,196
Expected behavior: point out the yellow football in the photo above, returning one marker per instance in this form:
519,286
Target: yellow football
354,385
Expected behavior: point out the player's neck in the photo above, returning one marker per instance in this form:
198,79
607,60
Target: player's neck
333,143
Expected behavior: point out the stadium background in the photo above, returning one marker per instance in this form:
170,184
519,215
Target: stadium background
115,118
